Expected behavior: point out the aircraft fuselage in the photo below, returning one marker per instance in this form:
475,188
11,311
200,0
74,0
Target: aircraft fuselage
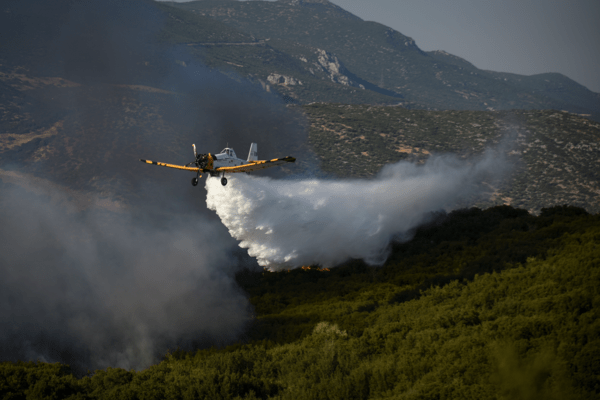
227,158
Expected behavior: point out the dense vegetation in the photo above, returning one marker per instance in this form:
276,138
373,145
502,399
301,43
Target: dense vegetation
494,304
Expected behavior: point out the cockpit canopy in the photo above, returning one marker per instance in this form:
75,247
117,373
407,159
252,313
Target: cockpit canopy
228,151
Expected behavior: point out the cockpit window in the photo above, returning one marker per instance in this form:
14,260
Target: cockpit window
228,151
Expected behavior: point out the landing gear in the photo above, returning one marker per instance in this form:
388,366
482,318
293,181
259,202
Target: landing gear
223,181
194,181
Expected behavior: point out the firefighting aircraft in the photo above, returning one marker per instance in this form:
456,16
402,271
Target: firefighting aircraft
224,162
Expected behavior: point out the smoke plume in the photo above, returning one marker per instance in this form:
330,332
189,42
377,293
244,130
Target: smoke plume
289,223
97,288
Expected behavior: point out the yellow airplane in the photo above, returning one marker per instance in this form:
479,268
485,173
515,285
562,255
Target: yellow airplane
225,161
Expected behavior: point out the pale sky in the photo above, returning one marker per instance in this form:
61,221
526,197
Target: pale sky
520,36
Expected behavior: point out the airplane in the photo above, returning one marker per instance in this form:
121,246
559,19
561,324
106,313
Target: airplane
225,161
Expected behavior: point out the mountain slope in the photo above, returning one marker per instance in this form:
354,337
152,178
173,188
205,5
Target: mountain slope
307,51
392,61
554,155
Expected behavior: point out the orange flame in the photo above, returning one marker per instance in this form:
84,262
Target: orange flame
308,267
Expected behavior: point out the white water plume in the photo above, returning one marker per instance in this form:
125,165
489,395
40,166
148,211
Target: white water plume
290,223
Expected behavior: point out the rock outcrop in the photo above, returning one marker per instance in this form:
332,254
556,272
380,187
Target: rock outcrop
277,79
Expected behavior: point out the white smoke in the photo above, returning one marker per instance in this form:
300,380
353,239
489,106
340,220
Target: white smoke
290,223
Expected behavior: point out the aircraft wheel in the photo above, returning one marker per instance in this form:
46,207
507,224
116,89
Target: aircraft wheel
223,181
194,181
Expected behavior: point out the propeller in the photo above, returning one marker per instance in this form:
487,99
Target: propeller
195,162
200,160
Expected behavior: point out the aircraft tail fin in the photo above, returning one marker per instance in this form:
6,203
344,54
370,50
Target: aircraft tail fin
253,154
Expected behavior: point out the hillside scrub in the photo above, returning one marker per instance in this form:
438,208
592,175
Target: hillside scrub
493,304
554,154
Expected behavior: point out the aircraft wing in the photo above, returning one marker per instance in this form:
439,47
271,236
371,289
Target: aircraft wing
256,165
195,169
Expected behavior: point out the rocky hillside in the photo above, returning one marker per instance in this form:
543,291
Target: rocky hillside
326,42
555,155
92,144
305,51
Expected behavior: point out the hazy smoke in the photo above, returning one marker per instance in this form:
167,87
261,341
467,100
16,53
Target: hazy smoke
97,289
289,223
